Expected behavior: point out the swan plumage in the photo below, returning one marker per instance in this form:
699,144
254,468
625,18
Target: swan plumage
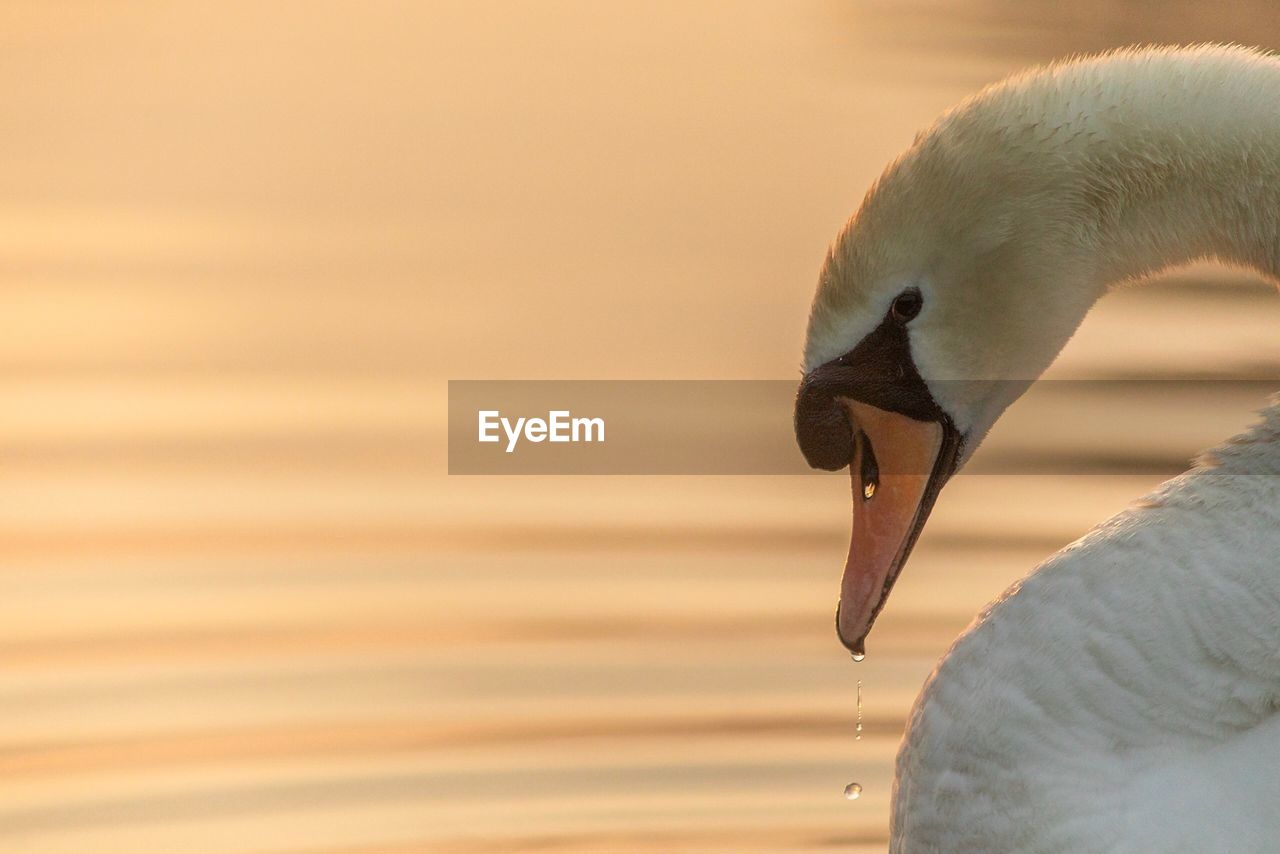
1123,696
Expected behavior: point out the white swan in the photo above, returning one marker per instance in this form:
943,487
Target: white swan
1124,696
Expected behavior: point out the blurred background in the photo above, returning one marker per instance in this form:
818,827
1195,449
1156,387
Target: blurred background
244,246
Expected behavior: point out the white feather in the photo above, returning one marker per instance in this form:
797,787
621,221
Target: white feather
1123,696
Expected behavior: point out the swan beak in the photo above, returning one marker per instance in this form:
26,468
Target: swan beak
899,465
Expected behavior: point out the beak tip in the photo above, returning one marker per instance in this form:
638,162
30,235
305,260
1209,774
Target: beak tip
857,648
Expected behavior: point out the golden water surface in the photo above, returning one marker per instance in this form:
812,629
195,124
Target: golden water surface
244,246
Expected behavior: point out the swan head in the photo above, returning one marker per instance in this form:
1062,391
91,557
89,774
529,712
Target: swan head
943,298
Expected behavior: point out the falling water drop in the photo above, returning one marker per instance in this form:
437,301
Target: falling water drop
854,790
857,730
869,490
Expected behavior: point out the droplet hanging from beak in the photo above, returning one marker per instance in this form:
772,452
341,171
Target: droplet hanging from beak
868,469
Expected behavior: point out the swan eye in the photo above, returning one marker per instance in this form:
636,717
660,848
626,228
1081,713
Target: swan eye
907,305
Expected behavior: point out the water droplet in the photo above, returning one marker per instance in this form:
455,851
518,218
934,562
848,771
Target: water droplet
858,656
868,471
857,730
853,791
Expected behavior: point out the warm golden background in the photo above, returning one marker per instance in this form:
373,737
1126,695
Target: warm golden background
242,248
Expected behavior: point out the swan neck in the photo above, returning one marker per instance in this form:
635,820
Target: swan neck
1188,188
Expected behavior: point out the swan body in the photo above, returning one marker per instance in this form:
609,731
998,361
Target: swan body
1123,697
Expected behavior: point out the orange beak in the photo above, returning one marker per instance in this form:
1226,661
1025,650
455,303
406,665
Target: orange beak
899,465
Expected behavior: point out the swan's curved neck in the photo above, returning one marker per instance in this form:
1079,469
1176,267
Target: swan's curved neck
1081,179
1169,161
1193,190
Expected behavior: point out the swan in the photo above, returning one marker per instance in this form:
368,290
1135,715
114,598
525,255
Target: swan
1123,696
